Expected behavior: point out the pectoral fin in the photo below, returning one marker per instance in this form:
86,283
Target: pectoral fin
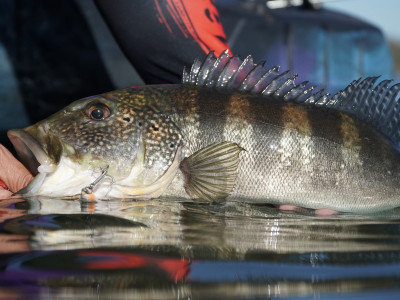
210,173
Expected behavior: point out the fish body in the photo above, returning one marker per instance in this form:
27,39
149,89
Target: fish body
224,132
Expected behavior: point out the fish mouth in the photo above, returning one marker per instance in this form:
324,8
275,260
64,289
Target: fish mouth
30,151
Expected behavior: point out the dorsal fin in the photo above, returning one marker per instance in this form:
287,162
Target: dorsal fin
379,105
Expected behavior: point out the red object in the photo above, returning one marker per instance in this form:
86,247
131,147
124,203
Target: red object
112,260
198,19
176,268
3,185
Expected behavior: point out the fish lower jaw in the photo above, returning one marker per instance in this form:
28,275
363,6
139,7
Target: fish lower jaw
34,186
68,178
46,168
65,179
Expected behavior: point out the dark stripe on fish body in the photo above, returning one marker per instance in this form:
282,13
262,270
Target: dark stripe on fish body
328,161
215,105
373,146
325,123
255,123
199,114
369,175
266,109
364,140
390,157
318,153
207,110
251,109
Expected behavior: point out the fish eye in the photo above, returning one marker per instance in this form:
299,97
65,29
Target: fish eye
98,112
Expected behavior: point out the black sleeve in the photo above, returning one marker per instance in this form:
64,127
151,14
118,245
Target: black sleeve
159,37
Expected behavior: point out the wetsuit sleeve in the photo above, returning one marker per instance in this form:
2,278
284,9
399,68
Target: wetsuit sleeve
159,37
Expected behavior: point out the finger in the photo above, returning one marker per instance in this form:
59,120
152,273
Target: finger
12,172
3,185
4,194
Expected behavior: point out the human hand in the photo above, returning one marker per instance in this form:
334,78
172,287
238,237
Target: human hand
12,173
11,241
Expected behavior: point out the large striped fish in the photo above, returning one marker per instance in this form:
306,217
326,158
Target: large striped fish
231,129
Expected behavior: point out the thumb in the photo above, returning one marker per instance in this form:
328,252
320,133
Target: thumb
12,172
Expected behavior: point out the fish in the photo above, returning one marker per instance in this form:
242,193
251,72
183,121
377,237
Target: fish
232,129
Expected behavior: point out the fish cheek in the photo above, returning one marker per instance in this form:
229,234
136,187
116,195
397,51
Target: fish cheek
162,139
54,147
78,135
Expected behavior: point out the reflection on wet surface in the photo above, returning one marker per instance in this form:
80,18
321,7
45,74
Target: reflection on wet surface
169,249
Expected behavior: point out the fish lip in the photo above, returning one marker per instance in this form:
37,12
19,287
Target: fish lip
30,151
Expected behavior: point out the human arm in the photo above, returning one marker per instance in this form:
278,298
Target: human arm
161,37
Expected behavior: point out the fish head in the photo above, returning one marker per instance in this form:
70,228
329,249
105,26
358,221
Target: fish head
66,151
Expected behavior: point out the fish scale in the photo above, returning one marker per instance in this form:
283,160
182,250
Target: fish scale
332,172
231,129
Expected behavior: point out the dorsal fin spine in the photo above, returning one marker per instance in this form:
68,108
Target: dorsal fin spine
265,78
394,89
241,74
287,86
252,78
205,69
295,91
305,95
228,71
373,94
369,99
194,71
275,84
378,106
322,100
219,65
